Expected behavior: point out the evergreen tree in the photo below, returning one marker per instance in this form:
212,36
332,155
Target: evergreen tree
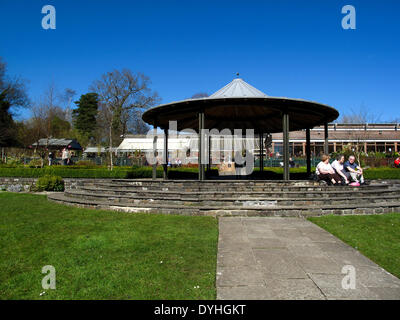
7,126
84,116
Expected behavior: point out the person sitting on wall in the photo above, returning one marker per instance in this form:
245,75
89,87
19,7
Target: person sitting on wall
355,171
325,171
337,165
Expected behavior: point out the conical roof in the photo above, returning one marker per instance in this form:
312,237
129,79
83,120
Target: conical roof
238,89
239,105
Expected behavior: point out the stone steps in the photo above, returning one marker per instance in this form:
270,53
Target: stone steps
327,193
235,201
285,211
226,198
230,188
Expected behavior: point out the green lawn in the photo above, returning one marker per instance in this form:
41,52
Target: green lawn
375,236
103,254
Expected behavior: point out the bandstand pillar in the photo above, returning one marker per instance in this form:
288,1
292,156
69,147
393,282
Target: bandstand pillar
201,155
308,151
285,125
209,154
326,143
165,162
154,174
261,136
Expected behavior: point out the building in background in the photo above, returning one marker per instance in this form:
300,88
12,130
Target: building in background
57,144
366,137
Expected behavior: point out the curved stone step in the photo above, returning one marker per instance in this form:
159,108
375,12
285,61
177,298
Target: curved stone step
370,208
239,197
234,188
329,193
234,201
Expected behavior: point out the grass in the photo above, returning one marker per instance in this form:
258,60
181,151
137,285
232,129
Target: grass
375,236
103,254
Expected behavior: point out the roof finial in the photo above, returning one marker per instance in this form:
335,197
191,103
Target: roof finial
237,74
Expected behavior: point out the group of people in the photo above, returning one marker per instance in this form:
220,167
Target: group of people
340,172
177,163
65,157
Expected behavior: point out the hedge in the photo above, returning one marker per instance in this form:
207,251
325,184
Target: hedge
78,173
173,173
382,173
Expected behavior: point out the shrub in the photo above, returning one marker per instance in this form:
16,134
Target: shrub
35,163
13,162
50,183
86,163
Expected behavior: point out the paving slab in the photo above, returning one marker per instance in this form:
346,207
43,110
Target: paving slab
271,258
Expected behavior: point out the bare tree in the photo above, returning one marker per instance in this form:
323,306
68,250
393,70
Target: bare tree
362,115
135,124
121,92
359,137
47,115
66,98
13,88
12,96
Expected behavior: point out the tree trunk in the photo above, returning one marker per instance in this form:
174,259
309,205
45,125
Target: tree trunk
111,155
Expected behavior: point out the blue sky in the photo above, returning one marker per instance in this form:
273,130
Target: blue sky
289,48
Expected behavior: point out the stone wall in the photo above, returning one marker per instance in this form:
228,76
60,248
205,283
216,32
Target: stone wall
76,183
16,184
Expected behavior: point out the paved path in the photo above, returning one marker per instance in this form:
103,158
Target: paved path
291,258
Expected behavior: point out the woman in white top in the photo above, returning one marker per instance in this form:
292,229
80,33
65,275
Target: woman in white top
325,171
337,165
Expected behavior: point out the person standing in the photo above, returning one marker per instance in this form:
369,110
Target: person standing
51,158
65,156
70,155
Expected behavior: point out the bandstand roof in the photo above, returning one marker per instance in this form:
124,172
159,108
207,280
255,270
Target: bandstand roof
238,105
